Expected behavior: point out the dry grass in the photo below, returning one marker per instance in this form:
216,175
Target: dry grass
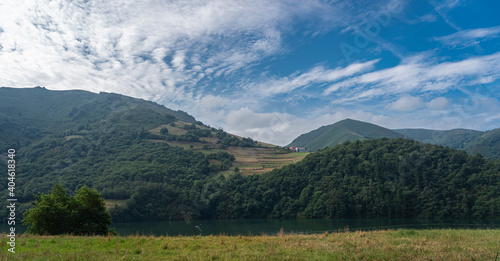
375,245
110,203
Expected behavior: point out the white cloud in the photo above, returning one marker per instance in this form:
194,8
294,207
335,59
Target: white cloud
442,7
316,75
406,103
415,75
210,102
466,38
121,46
438,103
267,127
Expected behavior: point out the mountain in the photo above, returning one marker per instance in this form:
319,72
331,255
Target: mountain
486,143
472,141
124,147
348,129
456,138
27,114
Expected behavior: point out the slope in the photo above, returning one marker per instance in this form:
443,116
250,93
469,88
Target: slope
487,144
456,138
473,141
348,129
28,114
121,146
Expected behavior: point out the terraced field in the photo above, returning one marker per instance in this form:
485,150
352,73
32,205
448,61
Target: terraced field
249,160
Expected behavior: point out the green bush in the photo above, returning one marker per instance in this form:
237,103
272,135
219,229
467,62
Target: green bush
58,213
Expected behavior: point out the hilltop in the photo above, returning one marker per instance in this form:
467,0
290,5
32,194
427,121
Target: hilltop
345,130
486,143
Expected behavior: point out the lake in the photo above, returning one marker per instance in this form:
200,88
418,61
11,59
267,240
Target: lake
272,226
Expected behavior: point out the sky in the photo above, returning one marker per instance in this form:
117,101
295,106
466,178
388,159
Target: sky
268,69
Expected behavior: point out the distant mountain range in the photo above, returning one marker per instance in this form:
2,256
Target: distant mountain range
473,141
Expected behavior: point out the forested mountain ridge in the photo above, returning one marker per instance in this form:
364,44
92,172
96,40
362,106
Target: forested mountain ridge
114,143
27,114
473,141
486,143
456,138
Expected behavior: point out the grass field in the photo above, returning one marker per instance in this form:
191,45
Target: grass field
448,244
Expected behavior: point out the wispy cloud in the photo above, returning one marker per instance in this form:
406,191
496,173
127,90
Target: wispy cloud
471,37
140,48
416,74
443,7
317,75
361,81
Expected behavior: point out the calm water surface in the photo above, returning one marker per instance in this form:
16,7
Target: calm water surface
272,226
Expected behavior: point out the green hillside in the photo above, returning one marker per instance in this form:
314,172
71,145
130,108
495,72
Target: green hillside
121,146
473,141
348,129
487,144
456,138
29,114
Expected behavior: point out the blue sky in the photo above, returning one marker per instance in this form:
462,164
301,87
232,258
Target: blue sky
268,69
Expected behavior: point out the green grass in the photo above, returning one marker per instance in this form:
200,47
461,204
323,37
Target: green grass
448,244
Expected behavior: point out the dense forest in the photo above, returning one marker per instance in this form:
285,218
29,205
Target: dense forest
379,178
397,178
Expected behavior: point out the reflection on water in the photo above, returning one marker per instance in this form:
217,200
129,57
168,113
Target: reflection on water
272,226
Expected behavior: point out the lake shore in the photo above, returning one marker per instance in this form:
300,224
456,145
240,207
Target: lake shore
401,244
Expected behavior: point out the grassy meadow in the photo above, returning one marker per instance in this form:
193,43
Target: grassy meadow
439,244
